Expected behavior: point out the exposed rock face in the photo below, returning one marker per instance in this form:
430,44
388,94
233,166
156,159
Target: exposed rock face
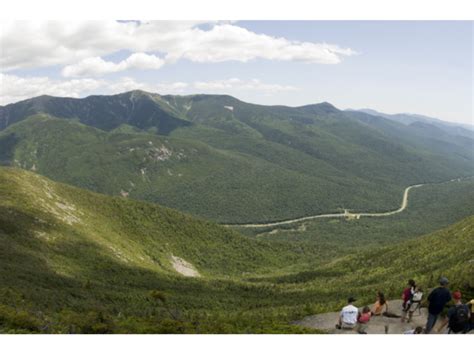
183,267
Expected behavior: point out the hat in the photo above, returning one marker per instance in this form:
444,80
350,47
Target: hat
457,295
351,299
443,281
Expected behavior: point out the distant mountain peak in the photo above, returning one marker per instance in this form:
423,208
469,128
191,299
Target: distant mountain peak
409,118
320,108
139,92
326,104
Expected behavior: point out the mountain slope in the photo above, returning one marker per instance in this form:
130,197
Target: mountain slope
447,252
243,162
59,218
78,262
222,184
136,108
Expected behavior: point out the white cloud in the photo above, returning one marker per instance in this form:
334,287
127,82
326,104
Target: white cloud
229,42
129,84
34,44
14,88
96,66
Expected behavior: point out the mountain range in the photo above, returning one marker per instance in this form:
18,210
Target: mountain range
461,129
219,158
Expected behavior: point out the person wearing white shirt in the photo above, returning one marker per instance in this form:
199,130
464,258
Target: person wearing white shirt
348,315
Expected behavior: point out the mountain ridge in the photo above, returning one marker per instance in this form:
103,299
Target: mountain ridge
284,162
409,118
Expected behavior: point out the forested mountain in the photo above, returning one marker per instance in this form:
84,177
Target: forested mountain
74,261
220,158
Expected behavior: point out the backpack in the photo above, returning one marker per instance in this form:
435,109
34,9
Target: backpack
459,319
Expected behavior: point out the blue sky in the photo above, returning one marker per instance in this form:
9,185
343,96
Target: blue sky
420,67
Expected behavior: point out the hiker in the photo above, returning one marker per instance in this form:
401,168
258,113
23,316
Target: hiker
407,294
437,299
381,305
413,304
458,316
417,330
471,309
363,320
348,316
381,309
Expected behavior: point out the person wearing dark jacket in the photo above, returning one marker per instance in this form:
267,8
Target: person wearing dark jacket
458,316
438,299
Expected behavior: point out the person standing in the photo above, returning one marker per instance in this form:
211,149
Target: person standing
408,294
413,304
438,298
458,316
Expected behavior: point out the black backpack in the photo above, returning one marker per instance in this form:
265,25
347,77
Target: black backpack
459,319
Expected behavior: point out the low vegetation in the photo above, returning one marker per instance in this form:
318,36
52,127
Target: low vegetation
74,261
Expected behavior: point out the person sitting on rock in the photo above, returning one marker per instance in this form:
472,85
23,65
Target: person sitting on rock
380,306
381,309
348,316
363,320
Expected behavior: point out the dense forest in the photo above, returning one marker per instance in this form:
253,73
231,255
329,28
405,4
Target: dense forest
74,261
225,160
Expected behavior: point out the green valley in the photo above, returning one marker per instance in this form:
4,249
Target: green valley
430,207
75,261
222,159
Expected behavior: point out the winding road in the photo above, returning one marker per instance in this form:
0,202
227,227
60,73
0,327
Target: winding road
346,213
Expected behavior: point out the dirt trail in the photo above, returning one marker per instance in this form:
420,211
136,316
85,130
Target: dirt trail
327,321
346,213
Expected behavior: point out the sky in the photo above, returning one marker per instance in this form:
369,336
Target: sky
423,67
